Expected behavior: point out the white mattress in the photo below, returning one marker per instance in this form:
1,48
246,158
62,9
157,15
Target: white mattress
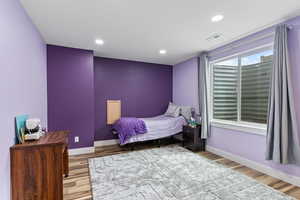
159,127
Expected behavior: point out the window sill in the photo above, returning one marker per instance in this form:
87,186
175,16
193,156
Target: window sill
257,129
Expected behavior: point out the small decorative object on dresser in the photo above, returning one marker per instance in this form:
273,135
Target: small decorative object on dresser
192,138
37,167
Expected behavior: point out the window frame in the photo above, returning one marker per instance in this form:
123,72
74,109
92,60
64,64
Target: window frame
239,125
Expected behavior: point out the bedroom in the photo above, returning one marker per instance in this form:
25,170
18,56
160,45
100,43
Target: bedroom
70,66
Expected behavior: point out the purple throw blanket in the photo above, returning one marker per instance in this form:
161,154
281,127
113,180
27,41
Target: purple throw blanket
128,127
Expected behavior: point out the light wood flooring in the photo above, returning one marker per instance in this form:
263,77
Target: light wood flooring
77,185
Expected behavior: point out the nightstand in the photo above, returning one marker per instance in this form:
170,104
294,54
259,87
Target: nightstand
192,138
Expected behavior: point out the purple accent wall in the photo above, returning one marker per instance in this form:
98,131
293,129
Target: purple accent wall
145,90
22,79
247,145
185,83
70,81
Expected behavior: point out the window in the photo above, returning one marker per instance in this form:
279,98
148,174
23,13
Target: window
240,87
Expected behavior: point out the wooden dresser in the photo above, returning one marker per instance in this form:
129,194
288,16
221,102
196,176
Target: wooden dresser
37,167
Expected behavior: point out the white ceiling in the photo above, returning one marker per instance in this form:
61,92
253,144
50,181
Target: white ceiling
137,29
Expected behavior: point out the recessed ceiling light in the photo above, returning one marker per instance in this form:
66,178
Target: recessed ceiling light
99,42
162,51
217,18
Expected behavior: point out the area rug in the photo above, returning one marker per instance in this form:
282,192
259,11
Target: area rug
172,173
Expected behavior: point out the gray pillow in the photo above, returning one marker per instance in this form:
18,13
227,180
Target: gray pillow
173,110
186,112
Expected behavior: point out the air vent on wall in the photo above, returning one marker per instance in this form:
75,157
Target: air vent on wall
214,36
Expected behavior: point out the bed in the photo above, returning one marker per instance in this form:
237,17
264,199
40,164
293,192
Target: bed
158,127
132,130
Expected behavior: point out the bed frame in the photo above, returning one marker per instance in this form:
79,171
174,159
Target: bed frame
177,137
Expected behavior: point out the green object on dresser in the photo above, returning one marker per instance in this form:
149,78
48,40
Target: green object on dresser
192,123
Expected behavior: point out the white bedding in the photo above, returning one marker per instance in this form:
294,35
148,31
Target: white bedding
159,127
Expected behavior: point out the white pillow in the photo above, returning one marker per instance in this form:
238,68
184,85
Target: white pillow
173,110
186,112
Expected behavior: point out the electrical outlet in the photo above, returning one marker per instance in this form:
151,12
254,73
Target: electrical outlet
76,139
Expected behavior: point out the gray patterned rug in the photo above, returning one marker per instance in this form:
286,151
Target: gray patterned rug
172,173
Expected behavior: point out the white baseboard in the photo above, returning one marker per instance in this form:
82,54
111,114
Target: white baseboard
84,150
295,180
103,143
